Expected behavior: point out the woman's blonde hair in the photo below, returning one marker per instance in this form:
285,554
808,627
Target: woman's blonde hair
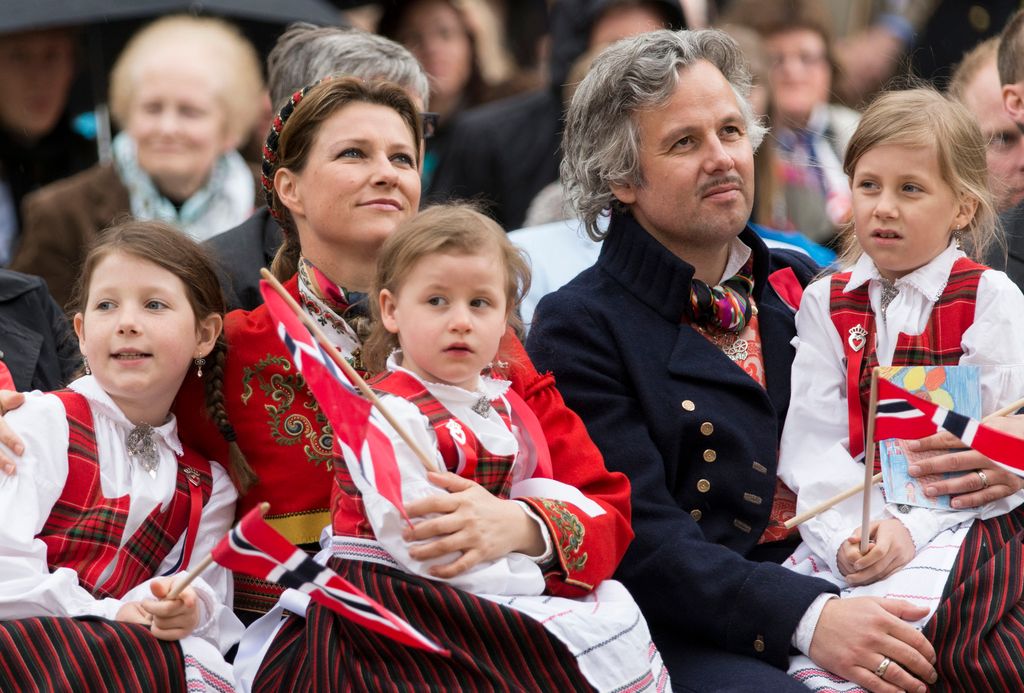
229,56
458,229
922,117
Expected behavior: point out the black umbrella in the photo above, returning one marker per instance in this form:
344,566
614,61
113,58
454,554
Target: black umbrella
108,24
40,14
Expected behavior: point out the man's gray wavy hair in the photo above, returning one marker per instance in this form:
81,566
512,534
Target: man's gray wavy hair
601,142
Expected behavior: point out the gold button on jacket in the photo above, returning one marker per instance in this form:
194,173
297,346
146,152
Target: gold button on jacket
710,455
703,485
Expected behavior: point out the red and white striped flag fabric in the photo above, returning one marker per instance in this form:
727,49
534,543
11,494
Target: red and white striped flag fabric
254,548
346,410
901,414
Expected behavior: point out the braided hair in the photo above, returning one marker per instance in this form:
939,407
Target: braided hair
174,251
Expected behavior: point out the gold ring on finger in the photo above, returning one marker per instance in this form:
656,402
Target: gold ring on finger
983,477
883,667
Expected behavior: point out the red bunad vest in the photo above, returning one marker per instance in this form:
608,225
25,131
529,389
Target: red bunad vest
937,345
84,529
461,451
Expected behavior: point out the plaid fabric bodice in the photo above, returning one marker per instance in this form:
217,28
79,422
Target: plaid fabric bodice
84,529
460,449
939,344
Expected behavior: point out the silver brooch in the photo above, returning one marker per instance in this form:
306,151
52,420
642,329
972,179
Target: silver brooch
858,337
482,406
739,350
889,292
141,446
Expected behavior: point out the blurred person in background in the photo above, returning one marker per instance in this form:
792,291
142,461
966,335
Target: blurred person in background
879,39
459,45
37,142
1010,65
809,132
504,153
186,92
975,84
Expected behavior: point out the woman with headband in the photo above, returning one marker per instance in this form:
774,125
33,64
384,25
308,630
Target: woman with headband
341,172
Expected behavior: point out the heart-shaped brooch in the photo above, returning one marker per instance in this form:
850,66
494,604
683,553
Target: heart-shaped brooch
857,338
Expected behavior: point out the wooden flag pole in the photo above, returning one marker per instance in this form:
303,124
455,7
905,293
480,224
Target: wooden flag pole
869,462
839,497
179,587
350,372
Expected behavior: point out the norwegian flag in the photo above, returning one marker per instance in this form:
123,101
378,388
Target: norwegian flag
368,447
254,548
901,414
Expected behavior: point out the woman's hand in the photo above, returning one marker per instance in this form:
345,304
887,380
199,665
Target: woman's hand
891,549
968,490
855,635
10,400
172,619
471,520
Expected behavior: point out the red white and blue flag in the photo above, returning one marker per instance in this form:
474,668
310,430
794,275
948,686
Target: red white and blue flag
254,548
369,448
901,414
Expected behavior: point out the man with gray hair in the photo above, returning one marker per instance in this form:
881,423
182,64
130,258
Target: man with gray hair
675,351
302,55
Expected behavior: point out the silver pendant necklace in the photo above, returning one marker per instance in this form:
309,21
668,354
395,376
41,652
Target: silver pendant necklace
482,406
141,446
889,292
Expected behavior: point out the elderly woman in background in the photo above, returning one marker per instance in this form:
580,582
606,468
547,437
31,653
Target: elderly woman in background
809,134
186,91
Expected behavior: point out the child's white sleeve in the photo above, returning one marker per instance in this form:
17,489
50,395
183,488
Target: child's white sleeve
814,458
995,340
27,587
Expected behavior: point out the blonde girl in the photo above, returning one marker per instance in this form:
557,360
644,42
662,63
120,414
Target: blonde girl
491,532
911,293
106,506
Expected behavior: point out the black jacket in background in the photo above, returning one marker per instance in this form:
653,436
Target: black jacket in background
61,153
504,152
241,252
37,343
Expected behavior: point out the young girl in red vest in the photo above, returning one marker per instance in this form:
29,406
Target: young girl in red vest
494,538
106,506
912,294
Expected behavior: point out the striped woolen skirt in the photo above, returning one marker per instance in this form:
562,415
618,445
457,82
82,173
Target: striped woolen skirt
493,647
86,654
978,629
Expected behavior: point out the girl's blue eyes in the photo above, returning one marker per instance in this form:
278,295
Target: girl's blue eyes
150,305
906,187
475,303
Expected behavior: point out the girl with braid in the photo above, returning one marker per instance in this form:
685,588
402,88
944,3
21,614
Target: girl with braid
107,507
